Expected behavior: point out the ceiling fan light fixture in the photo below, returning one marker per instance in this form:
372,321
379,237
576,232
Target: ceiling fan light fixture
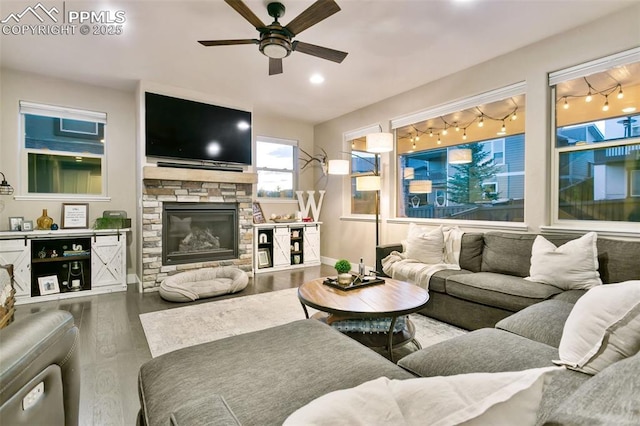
275,47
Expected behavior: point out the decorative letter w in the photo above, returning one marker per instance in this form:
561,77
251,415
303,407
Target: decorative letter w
311,203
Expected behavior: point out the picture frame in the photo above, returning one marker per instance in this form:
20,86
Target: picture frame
27,225
15,223
258,215
48,285
264,258
75,215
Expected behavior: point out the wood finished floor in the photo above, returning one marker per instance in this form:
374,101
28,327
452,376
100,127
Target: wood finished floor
113,346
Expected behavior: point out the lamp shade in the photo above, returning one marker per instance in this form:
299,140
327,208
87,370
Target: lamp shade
338,167
368,183
420,187
409,173
460,156
379,142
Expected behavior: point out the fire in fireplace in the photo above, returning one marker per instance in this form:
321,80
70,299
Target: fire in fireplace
199,232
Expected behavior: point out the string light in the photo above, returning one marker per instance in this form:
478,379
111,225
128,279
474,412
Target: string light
445,131
620,94
605,107
457,127
430,133
514,116
417,137
464,135
566,103
503,128
481,122
439,141
414,145
589,97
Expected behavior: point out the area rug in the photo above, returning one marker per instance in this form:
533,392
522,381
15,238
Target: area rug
177,328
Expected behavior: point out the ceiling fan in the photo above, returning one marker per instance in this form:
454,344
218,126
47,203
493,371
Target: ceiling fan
276,41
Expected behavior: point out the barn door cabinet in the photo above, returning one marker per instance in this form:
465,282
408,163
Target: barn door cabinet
50,265
281,246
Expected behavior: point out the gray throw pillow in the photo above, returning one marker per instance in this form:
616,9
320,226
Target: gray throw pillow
608,398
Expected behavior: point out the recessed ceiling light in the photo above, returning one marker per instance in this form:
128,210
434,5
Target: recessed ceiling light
628,109
316,79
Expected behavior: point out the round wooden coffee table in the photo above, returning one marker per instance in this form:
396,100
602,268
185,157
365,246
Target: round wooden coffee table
392,299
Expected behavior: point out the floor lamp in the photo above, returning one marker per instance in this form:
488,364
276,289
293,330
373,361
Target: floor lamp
376,143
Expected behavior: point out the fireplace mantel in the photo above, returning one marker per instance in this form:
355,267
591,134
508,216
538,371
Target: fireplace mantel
197,175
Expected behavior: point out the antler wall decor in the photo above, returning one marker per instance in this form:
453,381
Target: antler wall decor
320,158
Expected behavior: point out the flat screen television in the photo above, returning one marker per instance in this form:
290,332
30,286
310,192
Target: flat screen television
189,130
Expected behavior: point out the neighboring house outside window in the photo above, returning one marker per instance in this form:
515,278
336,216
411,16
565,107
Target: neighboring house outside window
597,142
276,165
63,151
487,182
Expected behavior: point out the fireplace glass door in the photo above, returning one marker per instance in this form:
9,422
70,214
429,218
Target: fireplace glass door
199,232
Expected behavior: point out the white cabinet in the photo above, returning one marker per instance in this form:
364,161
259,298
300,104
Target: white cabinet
284,246
108,261
17,252
95,259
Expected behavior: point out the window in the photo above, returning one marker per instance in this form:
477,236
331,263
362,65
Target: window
465,160
275,165
63,150
362,164
597,148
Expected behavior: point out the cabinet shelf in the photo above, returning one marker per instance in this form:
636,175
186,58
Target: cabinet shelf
61,259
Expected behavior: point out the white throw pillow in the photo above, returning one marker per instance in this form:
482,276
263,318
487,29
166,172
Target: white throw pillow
473,399
602,328
427,247
571,266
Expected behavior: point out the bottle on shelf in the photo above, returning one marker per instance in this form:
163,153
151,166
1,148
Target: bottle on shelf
361,267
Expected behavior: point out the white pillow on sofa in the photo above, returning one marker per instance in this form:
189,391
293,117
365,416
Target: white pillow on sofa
424,246
572,266
602,328
473,399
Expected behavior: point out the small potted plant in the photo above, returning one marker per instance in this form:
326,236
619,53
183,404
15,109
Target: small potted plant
343,268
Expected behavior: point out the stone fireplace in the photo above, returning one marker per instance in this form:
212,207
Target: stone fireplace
194,219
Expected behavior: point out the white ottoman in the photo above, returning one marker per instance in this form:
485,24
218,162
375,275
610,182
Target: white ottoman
201,283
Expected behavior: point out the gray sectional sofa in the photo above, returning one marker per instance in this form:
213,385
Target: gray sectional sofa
490,285
260,378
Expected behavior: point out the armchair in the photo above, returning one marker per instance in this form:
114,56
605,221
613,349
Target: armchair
40,370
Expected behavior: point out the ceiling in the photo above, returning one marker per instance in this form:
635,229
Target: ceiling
393,46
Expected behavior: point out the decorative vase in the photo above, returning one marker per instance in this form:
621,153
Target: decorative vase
44,221
345,279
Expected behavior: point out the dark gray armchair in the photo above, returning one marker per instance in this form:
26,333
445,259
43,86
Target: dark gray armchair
40,370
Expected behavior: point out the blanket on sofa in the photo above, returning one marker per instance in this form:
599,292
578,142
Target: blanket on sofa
399,267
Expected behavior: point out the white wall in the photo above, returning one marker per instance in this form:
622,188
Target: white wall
120,109
353,239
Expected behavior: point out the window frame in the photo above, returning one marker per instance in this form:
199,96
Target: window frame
555,78
505,92
61,113
295,171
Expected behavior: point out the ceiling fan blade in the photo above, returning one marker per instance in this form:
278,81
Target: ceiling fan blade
275,66
227,42
319,51
246,13
315,13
